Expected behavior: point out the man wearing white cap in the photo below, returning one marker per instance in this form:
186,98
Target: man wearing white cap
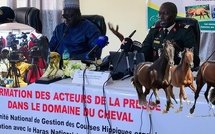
75,34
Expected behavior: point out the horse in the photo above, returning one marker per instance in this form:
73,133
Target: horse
148,75
205,75
182,76
198,12
54,63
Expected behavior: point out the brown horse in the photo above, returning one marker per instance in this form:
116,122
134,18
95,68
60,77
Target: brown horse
182,76
205,74
198,12
154,76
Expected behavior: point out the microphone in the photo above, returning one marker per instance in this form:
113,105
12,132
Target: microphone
65,32
55,50
136,48
101,42
126,46
132,34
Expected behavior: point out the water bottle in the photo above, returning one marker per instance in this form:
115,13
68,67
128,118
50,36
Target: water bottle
65,55
66,59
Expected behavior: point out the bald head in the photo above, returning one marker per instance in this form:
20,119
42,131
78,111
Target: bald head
167,14
170,7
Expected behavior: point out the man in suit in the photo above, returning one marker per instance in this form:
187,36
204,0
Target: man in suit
183,35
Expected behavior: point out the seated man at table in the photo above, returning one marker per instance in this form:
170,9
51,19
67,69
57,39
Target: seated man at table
183,35
75,35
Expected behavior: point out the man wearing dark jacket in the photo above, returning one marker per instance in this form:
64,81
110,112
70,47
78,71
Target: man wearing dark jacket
183,35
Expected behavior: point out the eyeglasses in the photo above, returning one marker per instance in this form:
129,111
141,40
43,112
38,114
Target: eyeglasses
163,13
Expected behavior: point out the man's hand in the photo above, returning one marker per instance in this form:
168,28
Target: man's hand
115,31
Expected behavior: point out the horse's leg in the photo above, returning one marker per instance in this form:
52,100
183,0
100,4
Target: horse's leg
138,86
155,91
141,96
180,99
147,90
56,69
51,70
206,92
210,98
172,95
203,16
192,87
153,77
200,83
183,95
168,91
140,93
195,98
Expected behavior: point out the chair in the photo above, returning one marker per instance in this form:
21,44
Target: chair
29,16
196,29
195,26
98,20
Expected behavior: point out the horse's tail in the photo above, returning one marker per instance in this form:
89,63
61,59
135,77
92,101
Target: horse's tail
132,81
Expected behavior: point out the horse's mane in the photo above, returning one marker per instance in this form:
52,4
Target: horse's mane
157,63
182,57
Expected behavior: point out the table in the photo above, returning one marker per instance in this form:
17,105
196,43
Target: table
60,108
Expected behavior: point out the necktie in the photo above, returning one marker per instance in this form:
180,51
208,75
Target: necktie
165,33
